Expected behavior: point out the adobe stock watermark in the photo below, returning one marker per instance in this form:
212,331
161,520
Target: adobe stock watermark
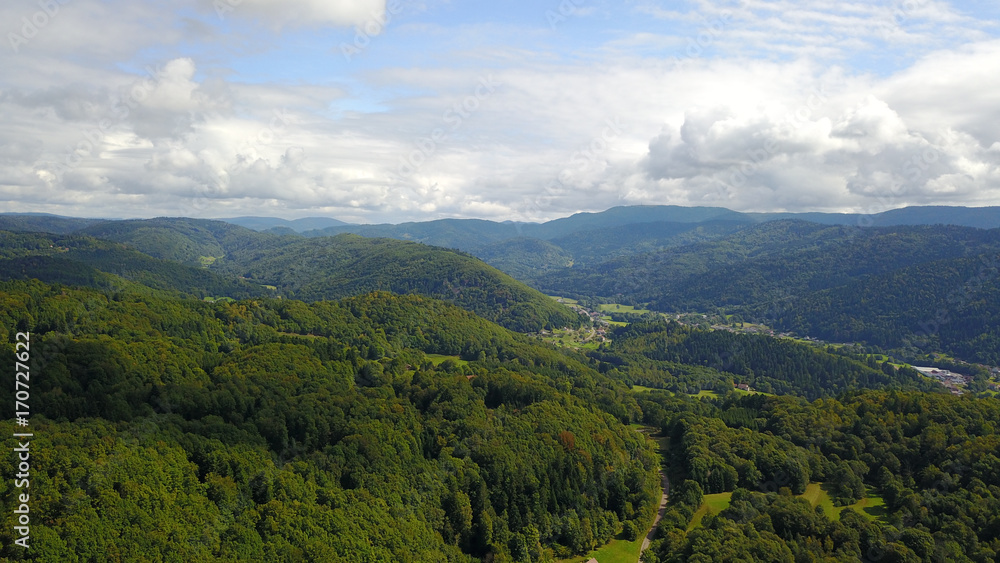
93,137
224,7
914,168
265,136
33,24
898,14
373,27
708,35
582,159
454,119
758,157
567,9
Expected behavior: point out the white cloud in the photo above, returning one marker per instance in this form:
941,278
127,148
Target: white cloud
550,136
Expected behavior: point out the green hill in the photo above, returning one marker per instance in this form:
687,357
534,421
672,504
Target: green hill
331,268
266,430
312,269
86,261
44,223
195,242
524,258
681,359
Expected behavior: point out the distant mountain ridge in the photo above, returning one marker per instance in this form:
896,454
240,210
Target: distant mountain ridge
44,223
297,225
530,250
979,217
527,251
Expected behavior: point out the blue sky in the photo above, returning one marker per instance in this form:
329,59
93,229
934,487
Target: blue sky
515,110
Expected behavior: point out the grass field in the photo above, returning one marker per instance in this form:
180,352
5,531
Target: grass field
438,359
818,494
742,392
570,338
619,308
713,504
616,551
700,394
565,300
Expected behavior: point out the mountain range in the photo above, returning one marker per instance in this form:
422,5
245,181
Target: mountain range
527,250
981,217
878,280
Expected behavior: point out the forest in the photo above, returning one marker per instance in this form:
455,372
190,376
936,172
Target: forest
931,458
275,430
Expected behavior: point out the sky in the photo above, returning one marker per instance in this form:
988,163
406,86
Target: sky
371,111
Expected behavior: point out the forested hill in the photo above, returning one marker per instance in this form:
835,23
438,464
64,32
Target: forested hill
241,263
592,238
331,268
86,261
44,223
770,260
189,241
275,430
668,355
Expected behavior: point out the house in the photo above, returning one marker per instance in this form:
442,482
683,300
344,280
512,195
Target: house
743,387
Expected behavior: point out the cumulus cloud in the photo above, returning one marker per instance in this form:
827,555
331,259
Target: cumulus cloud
852,156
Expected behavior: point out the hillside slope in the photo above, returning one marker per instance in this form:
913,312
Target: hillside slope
90,262
335,267
345,265
270,430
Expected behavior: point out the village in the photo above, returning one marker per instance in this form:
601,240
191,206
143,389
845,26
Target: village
602,322
954,382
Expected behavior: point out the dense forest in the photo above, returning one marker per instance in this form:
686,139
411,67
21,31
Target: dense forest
931,458
899,288
345,265
275,430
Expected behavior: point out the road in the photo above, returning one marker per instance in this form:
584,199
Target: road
665,493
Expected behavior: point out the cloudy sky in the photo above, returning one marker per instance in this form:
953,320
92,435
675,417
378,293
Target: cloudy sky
524,109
